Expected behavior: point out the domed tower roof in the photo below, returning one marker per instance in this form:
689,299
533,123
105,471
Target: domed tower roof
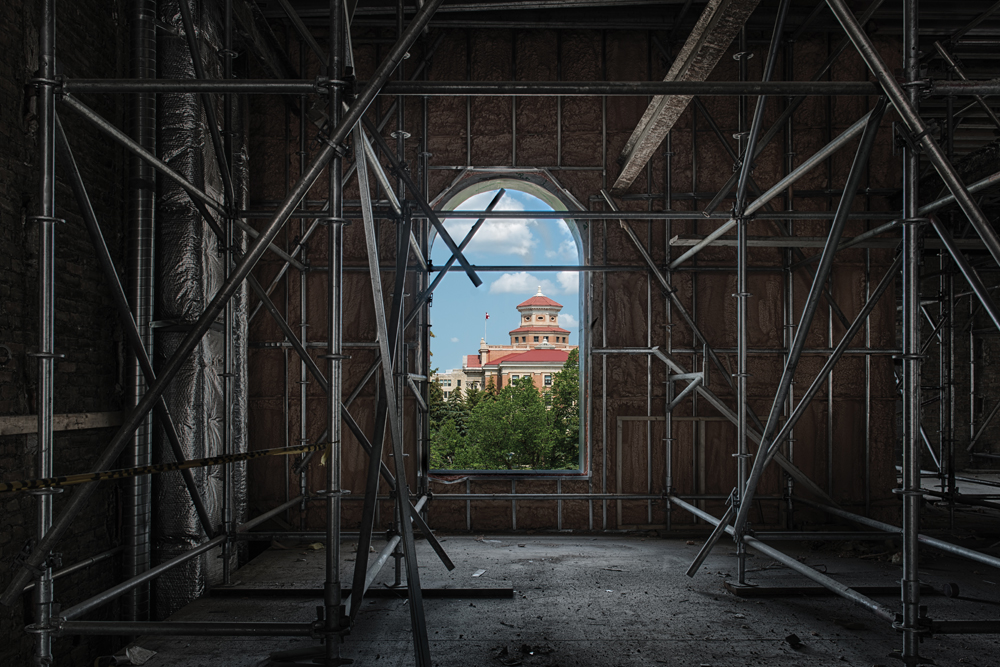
539,301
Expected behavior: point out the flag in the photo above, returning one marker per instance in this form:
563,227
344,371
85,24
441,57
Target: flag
487,316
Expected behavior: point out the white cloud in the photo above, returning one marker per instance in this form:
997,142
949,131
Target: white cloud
521,282
567,321
569,281
565,246
505,237
566,250
454,340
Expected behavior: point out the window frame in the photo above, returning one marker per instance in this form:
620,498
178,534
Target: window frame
538,184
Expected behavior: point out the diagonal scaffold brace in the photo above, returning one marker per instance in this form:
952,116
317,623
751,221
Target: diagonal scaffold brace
388,340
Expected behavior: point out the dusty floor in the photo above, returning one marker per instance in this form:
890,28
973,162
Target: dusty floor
601,600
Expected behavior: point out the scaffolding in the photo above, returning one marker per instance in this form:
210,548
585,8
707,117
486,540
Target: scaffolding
351,143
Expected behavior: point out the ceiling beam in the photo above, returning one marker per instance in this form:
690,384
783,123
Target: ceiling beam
715,30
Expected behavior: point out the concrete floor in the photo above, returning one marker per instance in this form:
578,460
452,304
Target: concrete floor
601,600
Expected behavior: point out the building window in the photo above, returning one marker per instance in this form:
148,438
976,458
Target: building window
446,395
545,340
548,380
458,383
540,315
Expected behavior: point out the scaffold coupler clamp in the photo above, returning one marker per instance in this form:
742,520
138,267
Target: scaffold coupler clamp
905,138
738,533
342,149
334,220
318,627
52,560
350,80
924,624
914,221
923,86
323,84
37,81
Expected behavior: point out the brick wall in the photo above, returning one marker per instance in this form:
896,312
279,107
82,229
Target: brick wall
91,42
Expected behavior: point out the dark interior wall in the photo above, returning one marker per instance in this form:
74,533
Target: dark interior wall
91,42
635,313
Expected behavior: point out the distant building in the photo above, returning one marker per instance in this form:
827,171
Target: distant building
538,348
452,380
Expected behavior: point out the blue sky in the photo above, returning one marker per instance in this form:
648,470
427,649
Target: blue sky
459,309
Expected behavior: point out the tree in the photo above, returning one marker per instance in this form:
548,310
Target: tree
457,411
435,404
516,428
564,414
510,432
445,444
473,395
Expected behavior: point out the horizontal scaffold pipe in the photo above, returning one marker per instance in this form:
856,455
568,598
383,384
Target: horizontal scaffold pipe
803,569
598,215
72,480
320,85
192,628
485,88
933,542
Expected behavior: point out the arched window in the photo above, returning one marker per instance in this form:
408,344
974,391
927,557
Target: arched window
526,314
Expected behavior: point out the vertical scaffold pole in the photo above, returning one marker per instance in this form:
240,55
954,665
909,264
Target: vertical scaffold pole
46,221
335,248
911,356
142,207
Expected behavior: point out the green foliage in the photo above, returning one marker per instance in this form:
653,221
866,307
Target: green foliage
564,413
508,432
473,395
456,410
435,404
445,443
515,428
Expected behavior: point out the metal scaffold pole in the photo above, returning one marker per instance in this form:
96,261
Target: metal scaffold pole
912,231
140,292
42,596
334,612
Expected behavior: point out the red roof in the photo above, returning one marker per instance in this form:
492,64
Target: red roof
539,329
539,300
533,356
472,361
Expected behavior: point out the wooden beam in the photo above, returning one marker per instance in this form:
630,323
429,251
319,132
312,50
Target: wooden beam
718,25
22,424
